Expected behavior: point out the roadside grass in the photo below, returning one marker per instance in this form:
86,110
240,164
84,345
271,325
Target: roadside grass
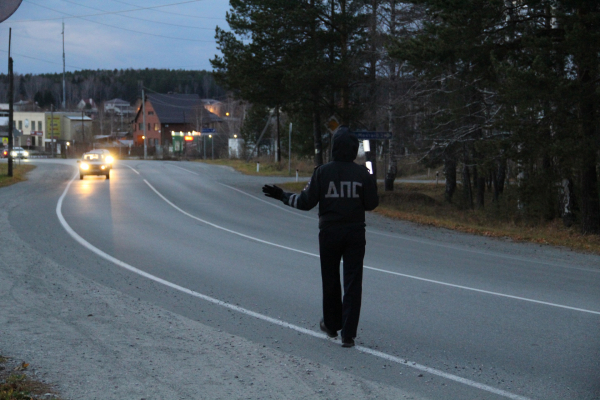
424,204
407,167
16,385
267,167
19,172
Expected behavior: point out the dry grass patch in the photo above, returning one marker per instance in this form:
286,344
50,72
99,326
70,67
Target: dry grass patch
267,167
16,385
19,172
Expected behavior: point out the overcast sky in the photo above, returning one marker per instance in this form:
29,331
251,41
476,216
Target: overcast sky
109,34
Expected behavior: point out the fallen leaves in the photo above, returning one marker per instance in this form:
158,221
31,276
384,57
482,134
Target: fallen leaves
22,367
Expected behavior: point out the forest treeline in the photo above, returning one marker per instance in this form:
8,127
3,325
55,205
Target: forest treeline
497,92
102,85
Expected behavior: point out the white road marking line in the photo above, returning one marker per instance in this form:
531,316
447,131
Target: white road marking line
286,209
225,229
183,169
371,268
485,291
263,317
131,168
431,243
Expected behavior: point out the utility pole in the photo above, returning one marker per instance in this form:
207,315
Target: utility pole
290,151
82,126
144,123
52,128
11,89
64,102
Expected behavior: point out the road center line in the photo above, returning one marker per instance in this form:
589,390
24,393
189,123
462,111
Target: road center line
378,269
256,315
286,209
428,242
183,169
131,168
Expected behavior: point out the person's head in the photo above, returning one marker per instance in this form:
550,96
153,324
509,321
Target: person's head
345,145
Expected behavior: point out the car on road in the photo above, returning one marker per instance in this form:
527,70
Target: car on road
19,152
95,162
4,153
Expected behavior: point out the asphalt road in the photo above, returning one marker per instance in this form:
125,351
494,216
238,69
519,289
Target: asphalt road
445,315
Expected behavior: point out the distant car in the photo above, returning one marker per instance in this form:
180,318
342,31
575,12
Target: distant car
19,152
95,162
4,153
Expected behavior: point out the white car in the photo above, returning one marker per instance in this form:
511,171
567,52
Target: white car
95,162
19,152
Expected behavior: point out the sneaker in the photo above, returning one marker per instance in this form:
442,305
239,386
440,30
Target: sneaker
347,342
328,331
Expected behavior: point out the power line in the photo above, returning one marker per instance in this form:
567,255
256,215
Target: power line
108,12
118,27
171,12
140,19
38,59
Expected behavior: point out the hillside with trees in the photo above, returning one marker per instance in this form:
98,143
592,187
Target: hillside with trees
102,85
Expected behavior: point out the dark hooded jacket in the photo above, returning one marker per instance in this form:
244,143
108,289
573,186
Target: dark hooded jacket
343,189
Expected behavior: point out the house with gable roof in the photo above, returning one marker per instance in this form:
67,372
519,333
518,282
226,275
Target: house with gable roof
118,106
167,113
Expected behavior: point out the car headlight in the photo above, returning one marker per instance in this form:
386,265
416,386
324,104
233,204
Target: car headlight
26,153
103,167
84,166
13,153
109,159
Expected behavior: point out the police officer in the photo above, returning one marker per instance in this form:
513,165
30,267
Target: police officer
344,190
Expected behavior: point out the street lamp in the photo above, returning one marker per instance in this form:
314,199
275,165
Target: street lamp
212,144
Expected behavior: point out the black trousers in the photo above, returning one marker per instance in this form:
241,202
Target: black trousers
335,244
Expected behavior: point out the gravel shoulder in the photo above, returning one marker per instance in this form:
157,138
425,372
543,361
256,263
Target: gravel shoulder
91,342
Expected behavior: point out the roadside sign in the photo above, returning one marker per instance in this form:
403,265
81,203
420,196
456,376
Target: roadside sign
53,127
208,130
332,124
373,135
29,141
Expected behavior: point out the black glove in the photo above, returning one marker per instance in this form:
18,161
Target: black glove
273,191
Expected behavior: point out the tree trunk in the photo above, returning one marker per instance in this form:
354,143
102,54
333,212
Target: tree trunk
278,149
317,135
467,190
392,171
394,144
496,192
466,181
590,203
480,189
500,176
586,61
568,203
450,172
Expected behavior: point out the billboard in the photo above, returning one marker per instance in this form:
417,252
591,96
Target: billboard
53,126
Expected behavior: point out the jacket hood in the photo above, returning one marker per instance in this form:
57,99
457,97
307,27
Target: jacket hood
345,145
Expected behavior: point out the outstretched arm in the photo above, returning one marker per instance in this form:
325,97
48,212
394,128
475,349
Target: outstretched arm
307,199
